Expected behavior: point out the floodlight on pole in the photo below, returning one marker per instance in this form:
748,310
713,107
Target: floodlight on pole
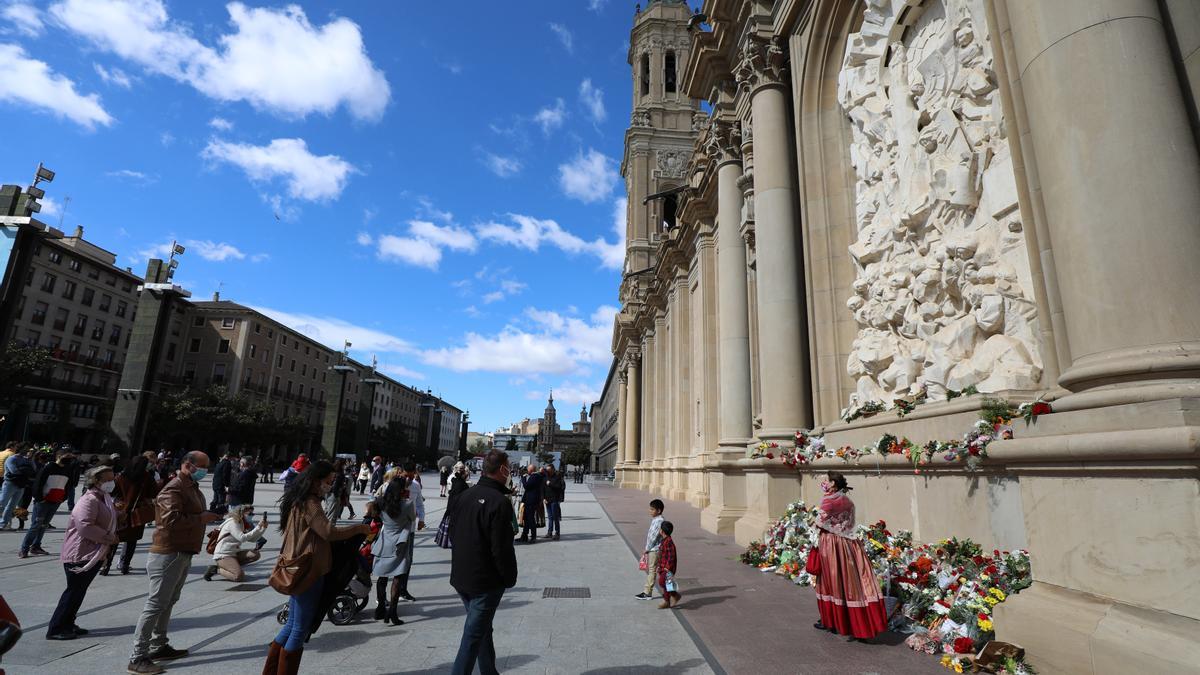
35,192
43,174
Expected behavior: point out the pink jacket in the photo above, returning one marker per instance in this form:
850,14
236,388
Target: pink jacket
92,525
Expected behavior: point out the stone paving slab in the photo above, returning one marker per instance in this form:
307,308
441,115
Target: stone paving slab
228,630
749,621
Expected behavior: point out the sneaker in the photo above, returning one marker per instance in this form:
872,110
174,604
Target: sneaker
166,653
644,596
143,666
22,553
38,550
69,635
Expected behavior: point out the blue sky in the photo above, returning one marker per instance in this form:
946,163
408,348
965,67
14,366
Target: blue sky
435,181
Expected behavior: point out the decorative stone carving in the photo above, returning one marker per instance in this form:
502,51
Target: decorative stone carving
671,162
943,296
640,118
763,63
699,120
724,141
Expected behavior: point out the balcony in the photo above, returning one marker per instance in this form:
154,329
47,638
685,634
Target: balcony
58,384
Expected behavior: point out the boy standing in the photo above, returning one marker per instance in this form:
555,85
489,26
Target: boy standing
666,567
653,542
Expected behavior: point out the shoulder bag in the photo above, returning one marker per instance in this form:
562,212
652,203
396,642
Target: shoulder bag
292,568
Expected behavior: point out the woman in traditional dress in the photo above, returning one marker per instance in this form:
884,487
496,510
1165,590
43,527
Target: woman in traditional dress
848,596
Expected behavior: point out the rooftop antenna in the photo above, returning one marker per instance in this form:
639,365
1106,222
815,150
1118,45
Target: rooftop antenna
63,214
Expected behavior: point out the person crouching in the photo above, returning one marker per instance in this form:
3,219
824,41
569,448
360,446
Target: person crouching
237,530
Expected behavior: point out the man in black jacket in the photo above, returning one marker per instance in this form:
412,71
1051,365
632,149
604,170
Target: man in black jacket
483,561
221,474
241,491
534,483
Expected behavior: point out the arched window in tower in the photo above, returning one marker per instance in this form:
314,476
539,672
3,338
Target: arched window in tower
669,73
645,75
669,206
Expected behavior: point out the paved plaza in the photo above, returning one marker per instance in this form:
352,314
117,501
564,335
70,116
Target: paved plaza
733,618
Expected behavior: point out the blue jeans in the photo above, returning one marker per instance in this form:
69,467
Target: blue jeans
300,616
476,644
553,518
10,496
42,513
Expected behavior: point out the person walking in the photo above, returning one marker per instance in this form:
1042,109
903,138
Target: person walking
307,534
230,554
241,490
19,475
136,489
556,494
391,548
364,477
483,562
377,472
333,500
221,477
848,596
49,491
413,476
180,519
74,473
91,531
458,485
443,479
653,544
531,501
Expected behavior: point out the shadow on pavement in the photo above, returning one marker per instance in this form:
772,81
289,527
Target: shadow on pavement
231,654
503,663
680,667
687,603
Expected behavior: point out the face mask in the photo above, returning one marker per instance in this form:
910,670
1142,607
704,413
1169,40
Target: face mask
108,486
199,474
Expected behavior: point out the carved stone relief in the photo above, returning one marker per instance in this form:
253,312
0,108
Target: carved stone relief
671,162
943,297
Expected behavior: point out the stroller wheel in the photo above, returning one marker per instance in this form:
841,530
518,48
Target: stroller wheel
282,616
344,608
362,602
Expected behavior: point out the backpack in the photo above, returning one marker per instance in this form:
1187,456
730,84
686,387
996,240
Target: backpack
214,536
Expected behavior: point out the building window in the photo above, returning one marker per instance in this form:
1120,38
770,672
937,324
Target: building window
39,313
198,321
29,277
32,338
98,330
171,352
75,265
60,318
115,336
306,350
194,347
109,357
279,361
91,353
122,308
189,371
48,282
218,373
257,328
93,273
275,386
303,369
227,323
126,286
105,302
253,349
88,296
292,369
270,333
55,257
73,348
645,77
669,73
266,356
111,280
69,289
223,347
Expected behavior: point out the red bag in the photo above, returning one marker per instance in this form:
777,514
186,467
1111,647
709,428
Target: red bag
644,563
813,564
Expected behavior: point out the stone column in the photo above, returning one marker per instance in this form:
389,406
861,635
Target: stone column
632,424
1119,171
649,412
783,322
622,419
734,421
684,400
661,417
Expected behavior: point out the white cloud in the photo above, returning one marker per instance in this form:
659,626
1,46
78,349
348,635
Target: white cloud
50,207
596,5
592,98
512,287
166,138
220,124
408,249
553,344
472,311
426,208
113,76
613,255
569,393
364,239
564,36
331,331
138,177
274,59
451,237
24,17
288,213
530,233
207,249
501,166
309,177
34,84
399,371
494,296
588,178
551,118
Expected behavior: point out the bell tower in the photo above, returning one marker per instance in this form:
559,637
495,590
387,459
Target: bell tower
662,128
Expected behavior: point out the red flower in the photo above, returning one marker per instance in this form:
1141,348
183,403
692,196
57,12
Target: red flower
964,645
770,455
978,560
1040,408
983,617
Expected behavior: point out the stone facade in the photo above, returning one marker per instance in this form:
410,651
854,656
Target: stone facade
897,199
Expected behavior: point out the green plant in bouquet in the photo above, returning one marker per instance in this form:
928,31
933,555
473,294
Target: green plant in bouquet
997,411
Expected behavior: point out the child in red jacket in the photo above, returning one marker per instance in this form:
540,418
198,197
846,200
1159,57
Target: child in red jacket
666,567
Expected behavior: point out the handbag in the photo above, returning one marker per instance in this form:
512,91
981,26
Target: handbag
291,571
644,563
671,586
813,564
442,538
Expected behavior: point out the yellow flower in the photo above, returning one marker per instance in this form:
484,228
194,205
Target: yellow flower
962,580
991,601
947,661
958,667
985,625
998,593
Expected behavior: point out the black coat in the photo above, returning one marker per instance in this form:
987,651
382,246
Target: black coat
556,488
377,477
221,474
457,487
483,558
534,485
241,491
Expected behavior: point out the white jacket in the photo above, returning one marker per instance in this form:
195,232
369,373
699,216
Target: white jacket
233,534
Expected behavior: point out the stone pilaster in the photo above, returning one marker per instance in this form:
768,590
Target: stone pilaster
649,404
632,424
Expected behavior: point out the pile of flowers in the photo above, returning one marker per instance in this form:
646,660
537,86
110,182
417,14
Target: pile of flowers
995,420
942,593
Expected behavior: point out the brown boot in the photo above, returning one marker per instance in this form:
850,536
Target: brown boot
271,667
289,662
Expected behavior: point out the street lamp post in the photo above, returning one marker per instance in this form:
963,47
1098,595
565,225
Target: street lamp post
333,410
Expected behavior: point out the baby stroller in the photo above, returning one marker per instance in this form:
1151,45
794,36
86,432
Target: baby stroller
350,601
